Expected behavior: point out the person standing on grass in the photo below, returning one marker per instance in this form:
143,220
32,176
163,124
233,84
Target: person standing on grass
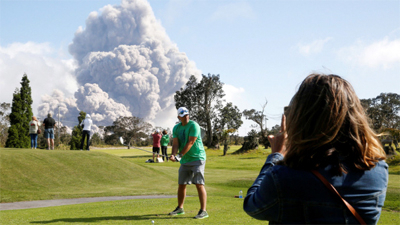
48,124
156,143
33,128
164,145
87,125
187,139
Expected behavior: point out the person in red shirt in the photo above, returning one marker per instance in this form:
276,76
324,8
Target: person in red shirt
156,143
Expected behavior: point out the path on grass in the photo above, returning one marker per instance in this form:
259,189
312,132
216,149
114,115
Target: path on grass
58,202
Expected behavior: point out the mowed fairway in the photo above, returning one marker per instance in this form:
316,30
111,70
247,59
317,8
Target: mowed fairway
33,175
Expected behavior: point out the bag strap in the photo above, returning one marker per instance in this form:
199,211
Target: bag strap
332,189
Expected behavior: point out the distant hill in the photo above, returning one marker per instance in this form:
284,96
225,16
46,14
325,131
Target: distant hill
27,174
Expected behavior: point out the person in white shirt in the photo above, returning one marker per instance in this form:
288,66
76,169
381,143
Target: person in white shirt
87,124
33,131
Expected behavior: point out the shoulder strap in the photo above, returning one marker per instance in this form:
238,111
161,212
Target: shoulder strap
332,189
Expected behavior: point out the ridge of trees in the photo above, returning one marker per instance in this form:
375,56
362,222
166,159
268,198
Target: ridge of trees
203,98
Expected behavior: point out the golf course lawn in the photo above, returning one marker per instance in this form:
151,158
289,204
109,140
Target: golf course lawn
39,174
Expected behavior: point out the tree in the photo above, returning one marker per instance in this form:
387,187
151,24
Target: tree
228,121
250,142
229,117
111,139
275,129
129,128
190,98
96,139
383,111
21,115
259,118
4,122
224,138
203,100
65,137
76,138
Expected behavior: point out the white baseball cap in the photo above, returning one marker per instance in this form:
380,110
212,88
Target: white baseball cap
158,131
182,111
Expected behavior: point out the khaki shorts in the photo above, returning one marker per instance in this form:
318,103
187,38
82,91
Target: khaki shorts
192,172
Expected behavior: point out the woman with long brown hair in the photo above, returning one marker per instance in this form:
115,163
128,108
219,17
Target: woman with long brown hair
324,131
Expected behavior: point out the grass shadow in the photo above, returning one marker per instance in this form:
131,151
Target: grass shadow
250,158
111,218
136,157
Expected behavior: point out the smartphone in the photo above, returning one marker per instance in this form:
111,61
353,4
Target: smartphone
286,111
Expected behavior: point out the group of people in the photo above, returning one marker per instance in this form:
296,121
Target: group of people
34,130
326,166
49,124
160,141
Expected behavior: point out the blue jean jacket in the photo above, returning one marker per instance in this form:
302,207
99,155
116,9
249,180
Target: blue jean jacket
284,195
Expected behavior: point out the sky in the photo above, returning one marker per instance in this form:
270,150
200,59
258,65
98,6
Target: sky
262,50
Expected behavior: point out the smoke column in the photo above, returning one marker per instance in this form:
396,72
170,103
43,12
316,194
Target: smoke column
127,65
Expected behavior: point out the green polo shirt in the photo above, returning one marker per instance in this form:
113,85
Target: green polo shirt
192,129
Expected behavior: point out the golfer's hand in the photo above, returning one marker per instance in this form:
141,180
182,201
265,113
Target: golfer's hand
278,141
172,158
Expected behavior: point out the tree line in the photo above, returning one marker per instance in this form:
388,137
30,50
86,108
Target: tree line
205,100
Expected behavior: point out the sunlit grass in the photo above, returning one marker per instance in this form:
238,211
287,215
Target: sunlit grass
71,174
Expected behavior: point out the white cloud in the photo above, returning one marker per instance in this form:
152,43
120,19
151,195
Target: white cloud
28,48
384,53
236,95
232,11
45,69
313,47
233,94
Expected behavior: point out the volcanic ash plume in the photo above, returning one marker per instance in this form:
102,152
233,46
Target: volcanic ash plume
58,103
129,55
90,98
127,63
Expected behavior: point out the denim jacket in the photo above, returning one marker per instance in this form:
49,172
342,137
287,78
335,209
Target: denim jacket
284,195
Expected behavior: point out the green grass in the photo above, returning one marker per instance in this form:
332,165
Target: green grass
38,174
394,164
392,201
221,210
29,175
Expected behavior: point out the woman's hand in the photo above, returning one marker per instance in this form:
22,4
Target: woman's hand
278,141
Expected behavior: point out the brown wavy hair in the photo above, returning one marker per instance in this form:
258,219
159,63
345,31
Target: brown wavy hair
326,123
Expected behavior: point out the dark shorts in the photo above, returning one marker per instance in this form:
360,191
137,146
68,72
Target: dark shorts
49,133
156,150
192,172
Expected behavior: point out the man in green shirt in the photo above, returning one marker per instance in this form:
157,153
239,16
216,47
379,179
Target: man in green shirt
187,140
